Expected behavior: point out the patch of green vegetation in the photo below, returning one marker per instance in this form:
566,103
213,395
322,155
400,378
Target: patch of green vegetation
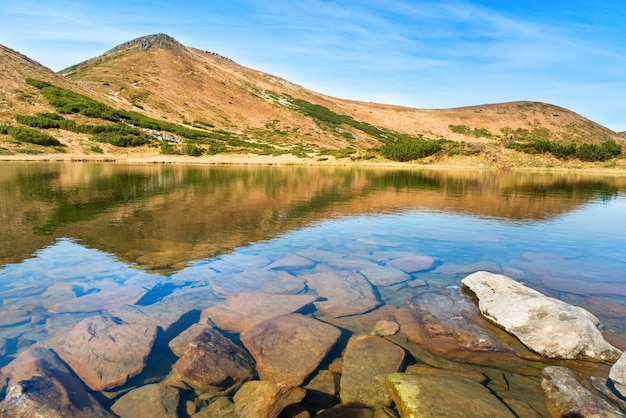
168,148
5,151
31,136
29,151
465,130
462,149
192,150
585,152
130,128
535,134
95,149
328,117
339,153
408,149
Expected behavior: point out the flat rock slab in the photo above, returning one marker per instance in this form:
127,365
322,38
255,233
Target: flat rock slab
244,310
39,384
150,401
412,263
291,261
446,323
268,281
566,397
366,361
103,353
546,325
14,317
384,275
262,399
347,293
288,348
213,363
443,396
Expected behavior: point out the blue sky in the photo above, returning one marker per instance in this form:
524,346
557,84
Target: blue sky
432,54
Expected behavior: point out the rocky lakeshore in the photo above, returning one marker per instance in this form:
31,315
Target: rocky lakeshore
301,335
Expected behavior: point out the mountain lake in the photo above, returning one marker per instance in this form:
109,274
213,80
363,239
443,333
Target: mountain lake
158,245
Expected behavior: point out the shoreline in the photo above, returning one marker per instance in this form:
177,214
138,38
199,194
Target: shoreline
292,160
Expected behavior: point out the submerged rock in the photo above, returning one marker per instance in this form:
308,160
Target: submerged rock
211,362
567,397
105,354
384,275
262,399
366,361
446,323
443,396
254,280
546,325
150,401
241,311
347,293
40,385
288,348
412,263
101,300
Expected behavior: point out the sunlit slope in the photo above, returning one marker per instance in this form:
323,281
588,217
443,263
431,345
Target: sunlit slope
160,76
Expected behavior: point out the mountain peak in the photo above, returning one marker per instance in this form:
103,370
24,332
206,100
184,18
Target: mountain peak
159,40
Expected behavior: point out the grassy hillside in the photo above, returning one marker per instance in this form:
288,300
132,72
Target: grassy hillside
153,96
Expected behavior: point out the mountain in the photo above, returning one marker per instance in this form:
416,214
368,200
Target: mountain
159,78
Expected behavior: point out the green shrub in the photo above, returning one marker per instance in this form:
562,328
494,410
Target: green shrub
585,152
411,149
192,150
169,149
31,136
459,129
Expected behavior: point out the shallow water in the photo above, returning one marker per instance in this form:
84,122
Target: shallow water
186,236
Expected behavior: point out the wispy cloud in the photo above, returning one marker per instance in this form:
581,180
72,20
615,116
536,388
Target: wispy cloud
414,52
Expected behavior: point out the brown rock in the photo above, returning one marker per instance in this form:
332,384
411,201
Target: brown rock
347,293
443,396
322,390
384,328
447,324
567,397
14,317
40,385
384,275
150,401
474,375
105,354
366,361
262,399
220,406
412,263
288,348
254,280
211,362
363,323
179,344
244,310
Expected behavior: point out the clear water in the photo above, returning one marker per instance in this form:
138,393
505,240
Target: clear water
173,229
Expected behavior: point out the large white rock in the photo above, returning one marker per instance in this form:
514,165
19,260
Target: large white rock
618,374
546,325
